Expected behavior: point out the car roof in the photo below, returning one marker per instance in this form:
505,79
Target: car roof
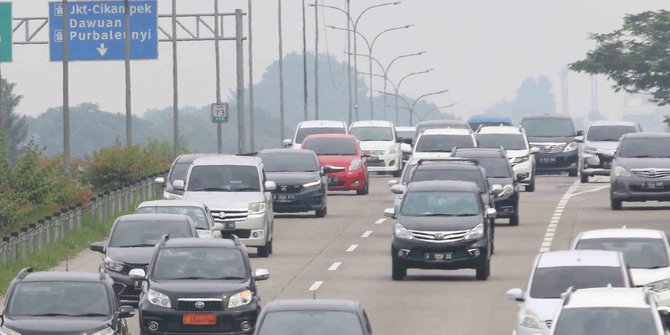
171,203
47,276
312,304
447,131
189,158
371,123
404,128
623,233
199,242
646,135
546,116
608,297
153,217
479,152
287,151
443,185
599,123
333,136
321,124
228,160
579,258
442,123
489,118
442,164
500,130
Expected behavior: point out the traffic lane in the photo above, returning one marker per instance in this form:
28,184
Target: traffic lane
433,301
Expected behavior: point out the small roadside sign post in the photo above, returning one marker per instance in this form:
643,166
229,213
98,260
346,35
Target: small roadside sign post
220,113
5,32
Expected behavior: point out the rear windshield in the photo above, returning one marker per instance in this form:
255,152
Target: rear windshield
443,143
605,320
609,133
645,147
495,167
640,253
507,141
549,283
304,132
450,174
289,161
331,146
196,214
409,134
224,178
550,127
146,233
372,133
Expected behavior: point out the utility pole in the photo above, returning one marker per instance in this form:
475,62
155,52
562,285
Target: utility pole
129,113
217,62
175,84
239,28
281,77
66,92
564,90
349,56
304,61
594,94
316,60
252,121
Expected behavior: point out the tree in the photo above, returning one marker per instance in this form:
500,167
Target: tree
635,56
534,96
13,125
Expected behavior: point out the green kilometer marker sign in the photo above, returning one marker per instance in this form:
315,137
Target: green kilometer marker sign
5,31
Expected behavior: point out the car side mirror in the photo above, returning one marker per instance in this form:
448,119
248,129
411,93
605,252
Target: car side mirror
97,247
262,274
515,294
270,186
287,143
159,180
491,213
398,189
407,141
218,226
365,154
534,150
389,212
126,312
406,148
137,274
178,185
393,182
580,133
579,138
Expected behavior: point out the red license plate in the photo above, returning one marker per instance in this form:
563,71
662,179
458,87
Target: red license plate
199,319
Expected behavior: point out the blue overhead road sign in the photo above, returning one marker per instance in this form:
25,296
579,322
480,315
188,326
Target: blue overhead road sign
96,30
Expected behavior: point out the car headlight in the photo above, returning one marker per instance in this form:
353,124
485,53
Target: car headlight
572,146
530,320
590,150
240,299
158,299
312,184
355,164
171,196
508,189
112,265
660,285
392,151
401,232
7,331
105,331
476,232
256,207
620,171
520,159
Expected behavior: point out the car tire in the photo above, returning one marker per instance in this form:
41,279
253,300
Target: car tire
366,189
398,271
573,173
583,178
271,246
484,270
264,251
616,204
321,212
530,187
514,220
397,173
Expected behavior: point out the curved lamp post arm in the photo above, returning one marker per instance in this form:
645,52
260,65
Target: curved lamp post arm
372,45
426,95
372,7
388,68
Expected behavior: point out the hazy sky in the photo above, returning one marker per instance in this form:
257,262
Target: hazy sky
481,51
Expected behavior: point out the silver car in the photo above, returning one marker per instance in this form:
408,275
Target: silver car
197,211
600,143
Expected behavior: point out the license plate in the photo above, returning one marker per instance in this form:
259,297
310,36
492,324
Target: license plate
229,225
653,185
439,256
199,319
138,285
548,160
284,197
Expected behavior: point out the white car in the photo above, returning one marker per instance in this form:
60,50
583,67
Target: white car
609,310
439,142
311,127
380,140
646,251
556,271
197,211
521,156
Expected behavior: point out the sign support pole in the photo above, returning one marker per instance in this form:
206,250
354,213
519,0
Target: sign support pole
66,92
239,28
129,113
175,84
219,135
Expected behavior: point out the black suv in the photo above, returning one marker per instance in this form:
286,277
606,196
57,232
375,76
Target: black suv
441,225
554,135
131,243
501,176
202,286
61,303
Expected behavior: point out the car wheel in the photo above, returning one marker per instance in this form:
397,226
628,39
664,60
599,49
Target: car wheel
321,212
264,251
583,178
397,173
365,190
514,220
530,187
484,270
572,173
399,272
270,246
616,204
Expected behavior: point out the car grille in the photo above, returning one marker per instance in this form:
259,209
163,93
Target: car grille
651,173
188,304
549,322
439,236
288,188
229,215
549,147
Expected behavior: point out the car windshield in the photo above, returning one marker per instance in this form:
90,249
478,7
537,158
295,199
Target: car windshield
605,320
644,147
507,141
405,134
495,167
199,263
549,283
438,203
550,127
609,133
640,253
443,143
311,322
304,132
450,174
224,178
146,233
289,161
59,298
372,133
196,214
179,171
331,146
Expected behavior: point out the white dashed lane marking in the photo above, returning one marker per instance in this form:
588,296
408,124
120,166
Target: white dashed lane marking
367,234
352,247
335,266
380,221
316,285
556,217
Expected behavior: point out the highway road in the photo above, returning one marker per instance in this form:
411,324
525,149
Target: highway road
347,255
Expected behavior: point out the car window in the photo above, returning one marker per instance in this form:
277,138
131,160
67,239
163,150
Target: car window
61,298
640,253
549,283
289,162
224,178
608,133
644,147
196,214
332,146
495,167
437,203
372,133
443,143
304,132
405,133
551,127
605,320
450,174
179,171
146,233
199,262
507,141
311,322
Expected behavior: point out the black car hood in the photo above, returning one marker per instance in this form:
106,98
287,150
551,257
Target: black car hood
198,288
140,255
542,139
439,223
501,181
643,163
292,178
56,325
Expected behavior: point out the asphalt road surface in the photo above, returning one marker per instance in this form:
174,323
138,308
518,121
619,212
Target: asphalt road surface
347,255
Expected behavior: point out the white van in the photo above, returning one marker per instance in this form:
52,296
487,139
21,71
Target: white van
380,139
306,128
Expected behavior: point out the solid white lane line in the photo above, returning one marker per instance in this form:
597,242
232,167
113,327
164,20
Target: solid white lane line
556,217
590,191
334,266
352,247
366,234
380,221
316,285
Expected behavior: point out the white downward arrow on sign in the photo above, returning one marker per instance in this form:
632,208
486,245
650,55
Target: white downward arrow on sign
102,50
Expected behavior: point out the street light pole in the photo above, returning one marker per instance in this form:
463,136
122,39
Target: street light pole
419,99
282,122
349,56
397,90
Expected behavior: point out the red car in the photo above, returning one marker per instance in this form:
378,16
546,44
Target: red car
341,151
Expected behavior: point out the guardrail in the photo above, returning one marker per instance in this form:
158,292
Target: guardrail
34,237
